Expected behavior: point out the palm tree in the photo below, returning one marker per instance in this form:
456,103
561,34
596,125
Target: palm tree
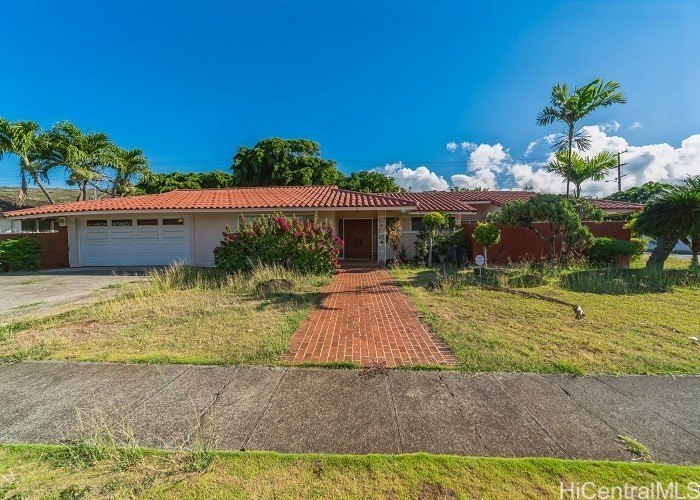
570,108
672,215
127,164
581,169
83,155
25,140
693,240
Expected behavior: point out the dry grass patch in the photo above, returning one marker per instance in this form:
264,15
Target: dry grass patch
624,333
182,315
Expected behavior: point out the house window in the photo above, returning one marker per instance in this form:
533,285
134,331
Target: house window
39,226
173,222
417,223
147,222
248,218
305,217
96,222
122,222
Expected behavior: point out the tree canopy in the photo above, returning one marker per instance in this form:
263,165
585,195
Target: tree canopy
283,162
640,194
582,168
154,183
563,217
672,215
369,181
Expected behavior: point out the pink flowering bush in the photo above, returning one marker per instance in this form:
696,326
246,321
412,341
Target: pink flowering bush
304,246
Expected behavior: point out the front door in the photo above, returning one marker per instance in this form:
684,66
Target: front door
358,238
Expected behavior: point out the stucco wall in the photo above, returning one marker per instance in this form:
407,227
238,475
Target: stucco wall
206,234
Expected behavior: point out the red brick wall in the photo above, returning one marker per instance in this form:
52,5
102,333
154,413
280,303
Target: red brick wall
519,244
55,247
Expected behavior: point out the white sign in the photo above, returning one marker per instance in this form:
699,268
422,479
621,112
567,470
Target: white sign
479,260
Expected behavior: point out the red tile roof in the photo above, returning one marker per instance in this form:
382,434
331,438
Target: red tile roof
271,197
456,200
443,201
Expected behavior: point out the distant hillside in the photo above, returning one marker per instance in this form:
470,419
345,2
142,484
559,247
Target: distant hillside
8,196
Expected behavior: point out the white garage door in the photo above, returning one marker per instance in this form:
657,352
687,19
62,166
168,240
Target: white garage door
144,241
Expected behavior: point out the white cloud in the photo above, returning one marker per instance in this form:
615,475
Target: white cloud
531,147
635,125
485,156
529,175
464,146
551,138
418,179
484,178
612,126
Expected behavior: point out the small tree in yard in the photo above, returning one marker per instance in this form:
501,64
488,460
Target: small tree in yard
487,235
394,233
433,222
563,217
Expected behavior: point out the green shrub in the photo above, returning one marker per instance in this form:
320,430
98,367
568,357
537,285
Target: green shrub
605,251
20,254
307,247
628,281
487,234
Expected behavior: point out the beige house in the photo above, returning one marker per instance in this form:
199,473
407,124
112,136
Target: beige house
186,225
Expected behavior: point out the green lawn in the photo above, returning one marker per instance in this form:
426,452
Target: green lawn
497,331
59,472
182,316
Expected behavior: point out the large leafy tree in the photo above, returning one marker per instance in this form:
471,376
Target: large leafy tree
672,215
153,183
83,155
569,108
283,162
26,141
562,218
579,169
369,181
640,194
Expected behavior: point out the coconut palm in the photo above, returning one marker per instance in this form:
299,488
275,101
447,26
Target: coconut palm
127,165
672,215
83,155
582,169
571,107
25,140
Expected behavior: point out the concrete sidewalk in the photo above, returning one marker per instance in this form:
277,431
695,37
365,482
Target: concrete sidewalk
355,411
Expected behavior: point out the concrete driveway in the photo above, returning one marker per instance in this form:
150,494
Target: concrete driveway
46,292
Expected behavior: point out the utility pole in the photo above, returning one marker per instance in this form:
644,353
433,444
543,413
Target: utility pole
619,170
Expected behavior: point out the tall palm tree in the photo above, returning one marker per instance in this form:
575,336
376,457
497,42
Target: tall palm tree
83,155
672,215
581,169
127,165
571,107
25,140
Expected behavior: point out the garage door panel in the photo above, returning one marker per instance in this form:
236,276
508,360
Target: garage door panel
146,245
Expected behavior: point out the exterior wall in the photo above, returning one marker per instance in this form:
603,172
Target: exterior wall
55,245
206,235
519,244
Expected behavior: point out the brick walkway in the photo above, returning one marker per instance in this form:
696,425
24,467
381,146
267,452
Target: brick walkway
366,319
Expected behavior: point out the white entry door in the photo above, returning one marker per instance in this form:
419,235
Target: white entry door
137,241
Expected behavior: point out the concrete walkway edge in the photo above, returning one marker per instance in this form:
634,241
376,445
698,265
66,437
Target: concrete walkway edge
301,410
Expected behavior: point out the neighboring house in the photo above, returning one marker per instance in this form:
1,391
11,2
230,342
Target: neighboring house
186,225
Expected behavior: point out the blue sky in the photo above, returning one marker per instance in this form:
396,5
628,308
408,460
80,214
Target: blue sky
375,83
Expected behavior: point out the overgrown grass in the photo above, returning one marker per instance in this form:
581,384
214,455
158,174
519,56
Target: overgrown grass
31,471
181,315
497,331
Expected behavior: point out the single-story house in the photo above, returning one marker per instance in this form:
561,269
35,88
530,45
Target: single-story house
186,225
